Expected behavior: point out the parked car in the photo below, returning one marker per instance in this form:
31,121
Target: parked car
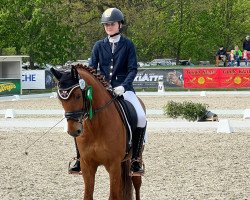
140,64
26,66
163,62
184,62
83,62
69,63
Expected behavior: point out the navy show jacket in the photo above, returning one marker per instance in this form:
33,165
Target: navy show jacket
124,62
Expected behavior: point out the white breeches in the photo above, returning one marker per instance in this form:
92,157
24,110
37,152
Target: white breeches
142,121
132,98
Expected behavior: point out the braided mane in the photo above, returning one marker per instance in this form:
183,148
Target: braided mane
92,71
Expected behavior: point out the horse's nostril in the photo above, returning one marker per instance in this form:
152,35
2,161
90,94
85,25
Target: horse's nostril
75,133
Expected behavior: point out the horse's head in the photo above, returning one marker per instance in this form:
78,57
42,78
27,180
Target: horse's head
75,97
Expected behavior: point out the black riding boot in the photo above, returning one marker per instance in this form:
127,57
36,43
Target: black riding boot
137,142
75,167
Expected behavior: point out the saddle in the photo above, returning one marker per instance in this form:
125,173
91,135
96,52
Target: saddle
129,118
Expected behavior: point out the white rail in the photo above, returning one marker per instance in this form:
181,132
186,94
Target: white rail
149,112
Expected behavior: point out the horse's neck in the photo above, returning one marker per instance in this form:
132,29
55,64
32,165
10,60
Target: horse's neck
101,97
104,114
106,119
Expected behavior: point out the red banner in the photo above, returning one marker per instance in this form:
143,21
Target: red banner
229,77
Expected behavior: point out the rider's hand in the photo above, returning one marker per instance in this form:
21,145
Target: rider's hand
119,90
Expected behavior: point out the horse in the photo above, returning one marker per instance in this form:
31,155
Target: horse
94,121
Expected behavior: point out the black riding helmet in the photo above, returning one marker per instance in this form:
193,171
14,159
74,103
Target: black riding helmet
112,15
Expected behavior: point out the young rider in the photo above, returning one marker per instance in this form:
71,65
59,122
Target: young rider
116,58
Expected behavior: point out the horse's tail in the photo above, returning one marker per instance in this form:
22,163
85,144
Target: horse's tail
126,181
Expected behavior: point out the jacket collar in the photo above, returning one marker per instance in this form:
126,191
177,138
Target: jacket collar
108,47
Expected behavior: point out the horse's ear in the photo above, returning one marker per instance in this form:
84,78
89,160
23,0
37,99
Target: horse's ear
56,73
74,72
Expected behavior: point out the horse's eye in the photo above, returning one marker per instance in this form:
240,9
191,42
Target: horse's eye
78,96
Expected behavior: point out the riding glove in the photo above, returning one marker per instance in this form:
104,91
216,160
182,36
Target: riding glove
119,90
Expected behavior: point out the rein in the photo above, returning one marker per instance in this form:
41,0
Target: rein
105,105
26,149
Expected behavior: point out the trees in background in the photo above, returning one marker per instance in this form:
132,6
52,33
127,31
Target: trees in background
54,31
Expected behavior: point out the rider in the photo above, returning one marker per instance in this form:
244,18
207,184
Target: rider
116,57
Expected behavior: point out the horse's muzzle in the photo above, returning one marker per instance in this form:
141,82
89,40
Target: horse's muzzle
74,128
75,133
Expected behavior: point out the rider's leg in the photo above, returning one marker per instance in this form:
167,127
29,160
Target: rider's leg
137,148
138,135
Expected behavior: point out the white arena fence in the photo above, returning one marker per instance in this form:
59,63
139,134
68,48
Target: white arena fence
224,126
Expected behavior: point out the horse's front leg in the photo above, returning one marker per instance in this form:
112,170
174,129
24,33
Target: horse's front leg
114,171
88,173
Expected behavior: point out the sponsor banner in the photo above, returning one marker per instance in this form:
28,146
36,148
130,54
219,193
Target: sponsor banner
33,79
201,78
229,77
10,86
149,78
235,77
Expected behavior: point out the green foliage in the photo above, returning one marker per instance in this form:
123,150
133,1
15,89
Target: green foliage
9,51
54,31
173,109
187,110
193,111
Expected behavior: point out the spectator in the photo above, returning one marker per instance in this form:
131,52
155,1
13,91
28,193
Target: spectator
221,55
246,46
245,56
231,58
246,43
238,55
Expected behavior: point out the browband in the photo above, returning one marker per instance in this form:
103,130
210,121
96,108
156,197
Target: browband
65,93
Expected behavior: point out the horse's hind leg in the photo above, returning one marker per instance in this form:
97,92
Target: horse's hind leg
137,185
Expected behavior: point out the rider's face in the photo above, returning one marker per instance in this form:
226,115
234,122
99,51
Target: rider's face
111,28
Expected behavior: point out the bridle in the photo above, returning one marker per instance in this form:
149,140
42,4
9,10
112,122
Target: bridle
86,112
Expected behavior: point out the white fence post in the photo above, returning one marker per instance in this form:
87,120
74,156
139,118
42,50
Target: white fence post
160,86
203,93
16,98
246,114
224,126
54,95
10,113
